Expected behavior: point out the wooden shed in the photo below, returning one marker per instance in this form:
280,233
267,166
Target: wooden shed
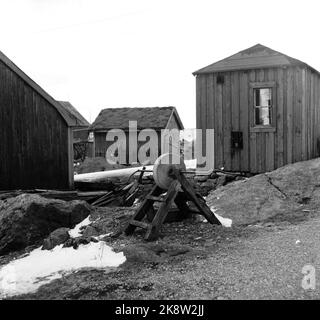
36,134
156,118
264,107
82,146
81,126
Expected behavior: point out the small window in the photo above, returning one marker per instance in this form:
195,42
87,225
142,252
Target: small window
91,137
220,79
262,106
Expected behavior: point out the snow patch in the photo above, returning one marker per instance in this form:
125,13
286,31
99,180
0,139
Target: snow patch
226,222
101,236
75,232
28,273
191,164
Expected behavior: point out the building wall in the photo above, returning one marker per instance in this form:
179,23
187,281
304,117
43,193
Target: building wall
228,107
35,148
80,135
101,145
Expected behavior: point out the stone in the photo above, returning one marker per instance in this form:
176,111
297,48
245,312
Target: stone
57,237
248,201
90,231
28,218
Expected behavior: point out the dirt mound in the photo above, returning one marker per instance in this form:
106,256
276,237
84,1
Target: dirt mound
266,195
29,218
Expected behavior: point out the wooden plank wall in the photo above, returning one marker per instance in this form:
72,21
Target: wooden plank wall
225,107
34,138
101,145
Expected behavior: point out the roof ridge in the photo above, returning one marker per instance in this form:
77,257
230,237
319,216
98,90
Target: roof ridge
251,58
21,74
146,117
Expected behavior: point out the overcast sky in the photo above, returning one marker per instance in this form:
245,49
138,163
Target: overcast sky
141,53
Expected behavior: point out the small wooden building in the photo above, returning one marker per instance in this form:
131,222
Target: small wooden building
264,107
156,118
81,127
82,146
36,134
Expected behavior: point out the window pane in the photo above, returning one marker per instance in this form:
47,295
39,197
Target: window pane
262,97
262,116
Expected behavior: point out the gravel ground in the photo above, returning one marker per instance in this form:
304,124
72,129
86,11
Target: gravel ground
196,260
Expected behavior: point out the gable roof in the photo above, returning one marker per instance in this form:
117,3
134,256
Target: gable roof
75,114
65,115
258,56
118,118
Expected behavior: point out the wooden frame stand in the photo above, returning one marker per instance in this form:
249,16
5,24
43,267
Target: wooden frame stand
180,191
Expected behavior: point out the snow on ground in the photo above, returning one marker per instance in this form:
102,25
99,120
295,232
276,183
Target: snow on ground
75,232
226,222
191,164
28,273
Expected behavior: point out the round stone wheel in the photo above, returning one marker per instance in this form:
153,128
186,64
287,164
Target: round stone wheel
161,170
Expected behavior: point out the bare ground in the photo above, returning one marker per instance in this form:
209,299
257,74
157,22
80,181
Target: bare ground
195,260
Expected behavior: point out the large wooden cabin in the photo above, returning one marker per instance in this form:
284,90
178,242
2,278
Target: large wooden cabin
264,107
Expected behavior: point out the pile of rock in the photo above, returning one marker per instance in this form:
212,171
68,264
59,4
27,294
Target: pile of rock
28,218
283,191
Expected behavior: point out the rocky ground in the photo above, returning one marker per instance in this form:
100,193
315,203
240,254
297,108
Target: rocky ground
275,234
195,260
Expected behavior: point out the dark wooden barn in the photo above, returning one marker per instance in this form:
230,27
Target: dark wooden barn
36,134
264,107
156,118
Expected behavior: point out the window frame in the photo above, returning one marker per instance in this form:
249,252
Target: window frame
263,85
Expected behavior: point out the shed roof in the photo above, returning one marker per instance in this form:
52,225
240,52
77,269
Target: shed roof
258,56
118,118
62,111
75,114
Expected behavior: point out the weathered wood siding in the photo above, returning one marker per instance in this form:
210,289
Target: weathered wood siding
228,107
34,150
101,144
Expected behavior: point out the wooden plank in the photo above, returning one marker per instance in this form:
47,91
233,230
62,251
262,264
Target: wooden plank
289,105
235,121
312,115
140,224
269,164
252,146
297,116
198,103
304,123
219,125
203,108
261,141
210,102
153,231
244,120
227,116
279,136
142,210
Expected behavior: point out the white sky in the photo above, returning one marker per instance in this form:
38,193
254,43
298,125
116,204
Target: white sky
141,53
